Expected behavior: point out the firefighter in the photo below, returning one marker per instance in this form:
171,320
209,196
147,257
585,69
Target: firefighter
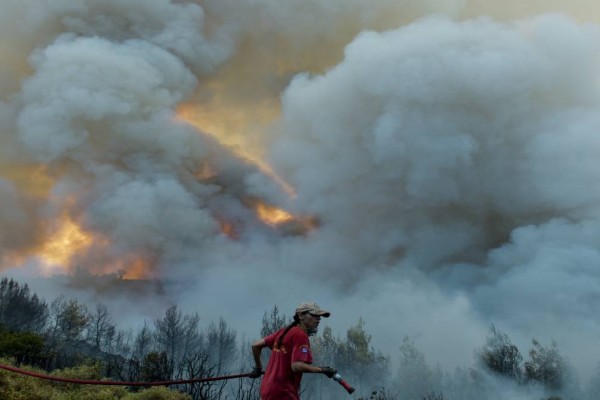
291,356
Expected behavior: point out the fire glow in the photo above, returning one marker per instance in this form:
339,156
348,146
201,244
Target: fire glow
136,269
69,240
273,216
228,229
188,114
284,221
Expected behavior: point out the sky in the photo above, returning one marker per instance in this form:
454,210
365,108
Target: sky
436,163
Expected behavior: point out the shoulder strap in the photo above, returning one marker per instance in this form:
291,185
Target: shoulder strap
280,338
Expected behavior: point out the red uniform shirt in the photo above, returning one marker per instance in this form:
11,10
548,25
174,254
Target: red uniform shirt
279,381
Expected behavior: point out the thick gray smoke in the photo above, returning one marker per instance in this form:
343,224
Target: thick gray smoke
450,157
464,151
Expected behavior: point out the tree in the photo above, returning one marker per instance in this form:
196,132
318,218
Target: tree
23,346
72,320
169,332
156,367
68,320
500,356
546,366
414,378
55,310
19,309
195,365
325,347
101,329
220,345
273,322
120,364
177,334
364,364
245,389
192,337
143,342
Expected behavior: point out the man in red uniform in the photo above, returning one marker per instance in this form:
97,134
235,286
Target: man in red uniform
291,356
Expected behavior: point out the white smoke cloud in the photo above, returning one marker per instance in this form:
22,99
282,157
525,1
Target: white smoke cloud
81,81
437,143
451,164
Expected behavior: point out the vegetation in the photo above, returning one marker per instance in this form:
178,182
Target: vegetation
71,339
20,387
500,356
546,366
20,310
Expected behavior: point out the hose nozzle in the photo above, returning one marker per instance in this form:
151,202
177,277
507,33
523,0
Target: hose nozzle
338,378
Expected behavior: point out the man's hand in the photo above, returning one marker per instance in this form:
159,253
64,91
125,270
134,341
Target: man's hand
330,372
256,373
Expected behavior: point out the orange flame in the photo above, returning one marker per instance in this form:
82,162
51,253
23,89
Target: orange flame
71,240
65,243
284,221
272,215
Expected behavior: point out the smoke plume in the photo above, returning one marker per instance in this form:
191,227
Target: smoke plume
445,154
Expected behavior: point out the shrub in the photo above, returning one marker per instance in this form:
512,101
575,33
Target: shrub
21,387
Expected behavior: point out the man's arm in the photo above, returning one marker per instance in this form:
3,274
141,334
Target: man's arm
303,367
256,351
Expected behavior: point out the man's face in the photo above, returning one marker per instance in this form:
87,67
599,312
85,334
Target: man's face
311,321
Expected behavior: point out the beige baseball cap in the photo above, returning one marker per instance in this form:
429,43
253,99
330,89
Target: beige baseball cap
312,308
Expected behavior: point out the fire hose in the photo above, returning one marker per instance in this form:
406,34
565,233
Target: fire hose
337,377
117,383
